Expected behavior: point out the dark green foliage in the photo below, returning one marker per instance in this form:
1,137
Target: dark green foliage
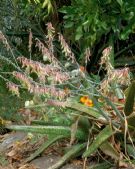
10,104
92,19
94,22
86,24
128,109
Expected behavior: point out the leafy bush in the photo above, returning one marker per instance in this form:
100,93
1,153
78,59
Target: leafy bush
98,24
92,19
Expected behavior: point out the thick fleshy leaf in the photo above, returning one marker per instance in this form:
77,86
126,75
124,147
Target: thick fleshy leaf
49,130
88,110
128,109
45,145
109,150
101,137
73,152
104,165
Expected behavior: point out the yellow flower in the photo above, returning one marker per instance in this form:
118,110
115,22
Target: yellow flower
83,99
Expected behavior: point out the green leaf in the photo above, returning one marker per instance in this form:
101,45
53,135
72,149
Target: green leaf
118,91
82,108
36,1
131,121
128,109
50,8
45,3
63,10
49,130
78,36
120,2
101,137
124,35
131,151
109,150
45,145
79,33
79,29
73,152
68,24
104,165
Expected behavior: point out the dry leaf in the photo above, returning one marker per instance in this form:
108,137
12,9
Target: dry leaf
7,167
28,166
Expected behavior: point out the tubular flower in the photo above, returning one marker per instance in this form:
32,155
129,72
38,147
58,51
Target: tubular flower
83,99
89,103
86,101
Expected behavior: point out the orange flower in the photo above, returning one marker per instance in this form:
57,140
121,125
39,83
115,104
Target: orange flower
89,103
83,99
86,101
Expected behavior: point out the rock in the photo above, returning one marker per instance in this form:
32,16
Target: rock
10,139
46,161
